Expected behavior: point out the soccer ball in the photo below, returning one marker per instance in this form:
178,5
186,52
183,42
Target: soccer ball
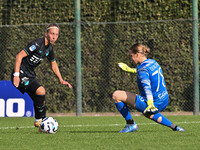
49,125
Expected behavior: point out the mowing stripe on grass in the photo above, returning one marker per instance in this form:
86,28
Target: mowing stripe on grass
93,125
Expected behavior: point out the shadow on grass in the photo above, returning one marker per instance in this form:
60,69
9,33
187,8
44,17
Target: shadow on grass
93,132
106,131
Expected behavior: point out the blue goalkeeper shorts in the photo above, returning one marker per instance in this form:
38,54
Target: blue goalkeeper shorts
141,104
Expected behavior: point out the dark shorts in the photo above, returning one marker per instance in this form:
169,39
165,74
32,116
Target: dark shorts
141,104
29,85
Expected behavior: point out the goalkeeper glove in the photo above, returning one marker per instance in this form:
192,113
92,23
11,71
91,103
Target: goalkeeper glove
126,68
150,108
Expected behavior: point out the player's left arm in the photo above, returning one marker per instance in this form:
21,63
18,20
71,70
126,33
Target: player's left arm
56,71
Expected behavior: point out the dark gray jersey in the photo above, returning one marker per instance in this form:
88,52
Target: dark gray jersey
36,51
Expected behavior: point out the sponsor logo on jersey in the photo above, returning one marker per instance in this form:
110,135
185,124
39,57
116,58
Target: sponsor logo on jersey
32,48
162,95
35,59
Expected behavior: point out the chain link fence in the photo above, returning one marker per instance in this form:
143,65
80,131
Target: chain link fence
170,42
104,44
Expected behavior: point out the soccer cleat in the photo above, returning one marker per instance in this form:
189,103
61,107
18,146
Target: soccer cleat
129,128
37,123
178,129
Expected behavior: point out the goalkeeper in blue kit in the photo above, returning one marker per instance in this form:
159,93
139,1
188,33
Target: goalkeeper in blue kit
153,96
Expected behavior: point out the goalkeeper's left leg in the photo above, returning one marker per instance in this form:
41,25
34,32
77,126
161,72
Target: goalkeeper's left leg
159,118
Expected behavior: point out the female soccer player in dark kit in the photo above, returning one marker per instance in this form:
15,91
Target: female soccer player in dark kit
24,76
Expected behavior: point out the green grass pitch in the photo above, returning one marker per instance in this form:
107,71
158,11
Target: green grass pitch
100,133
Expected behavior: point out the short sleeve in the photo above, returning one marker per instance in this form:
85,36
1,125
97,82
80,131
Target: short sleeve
30,48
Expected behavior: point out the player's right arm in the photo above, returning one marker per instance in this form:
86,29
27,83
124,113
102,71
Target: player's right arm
18,61
126,68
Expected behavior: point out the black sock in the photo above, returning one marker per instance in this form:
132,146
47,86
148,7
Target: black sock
130,121
39,106
173,126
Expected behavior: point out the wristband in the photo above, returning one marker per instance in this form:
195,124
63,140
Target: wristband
16,74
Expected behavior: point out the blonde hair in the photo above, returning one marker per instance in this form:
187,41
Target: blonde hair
140,48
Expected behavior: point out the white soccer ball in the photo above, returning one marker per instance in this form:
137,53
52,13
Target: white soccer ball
49,125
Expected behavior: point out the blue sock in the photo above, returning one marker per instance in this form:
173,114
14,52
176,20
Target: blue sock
123,109
164,121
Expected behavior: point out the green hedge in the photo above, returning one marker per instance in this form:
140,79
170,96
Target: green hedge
23,11
103,46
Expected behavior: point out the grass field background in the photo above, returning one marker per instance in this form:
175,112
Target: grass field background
100,133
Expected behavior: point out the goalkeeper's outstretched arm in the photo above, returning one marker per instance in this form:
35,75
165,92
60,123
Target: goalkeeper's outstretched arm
126,68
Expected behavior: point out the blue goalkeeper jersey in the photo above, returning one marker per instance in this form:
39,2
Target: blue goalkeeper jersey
151,81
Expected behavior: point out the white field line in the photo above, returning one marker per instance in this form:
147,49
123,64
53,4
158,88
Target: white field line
99,125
